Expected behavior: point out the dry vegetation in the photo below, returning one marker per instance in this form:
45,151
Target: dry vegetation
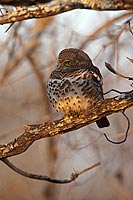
29,52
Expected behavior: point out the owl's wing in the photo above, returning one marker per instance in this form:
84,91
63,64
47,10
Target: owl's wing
92,73
85,74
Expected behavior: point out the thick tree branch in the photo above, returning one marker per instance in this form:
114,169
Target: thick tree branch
46,10
50,129
93,3
22,2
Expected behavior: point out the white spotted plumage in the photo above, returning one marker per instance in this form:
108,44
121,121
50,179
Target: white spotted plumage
76,84
67,94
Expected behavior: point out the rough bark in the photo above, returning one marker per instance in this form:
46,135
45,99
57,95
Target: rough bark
46,10
93,3
62,126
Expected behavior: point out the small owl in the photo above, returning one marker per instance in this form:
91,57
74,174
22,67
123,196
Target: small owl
75,85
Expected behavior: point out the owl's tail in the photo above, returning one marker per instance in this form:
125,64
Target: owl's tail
103,122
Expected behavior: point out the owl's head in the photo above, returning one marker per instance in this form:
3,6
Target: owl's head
73,58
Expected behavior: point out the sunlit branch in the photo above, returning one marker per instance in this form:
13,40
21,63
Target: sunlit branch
64,125
46,10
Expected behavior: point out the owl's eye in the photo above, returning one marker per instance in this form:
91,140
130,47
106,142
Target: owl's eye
67,63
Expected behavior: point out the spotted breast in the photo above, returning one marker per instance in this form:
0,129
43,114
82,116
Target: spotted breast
76,84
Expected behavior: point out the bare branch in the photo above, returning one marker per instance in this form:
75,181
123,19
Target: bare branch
73,176
93,3
106,25
126,134
22,3
62,126
46,10
12,64
111,69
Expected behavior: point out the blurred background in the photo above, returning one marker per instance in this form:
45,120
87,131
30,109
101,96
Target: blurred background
28,54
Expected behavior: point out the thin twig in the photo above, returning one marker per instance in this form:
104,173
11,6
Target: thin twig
111,69
73,176
107,24
12,64
126,134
